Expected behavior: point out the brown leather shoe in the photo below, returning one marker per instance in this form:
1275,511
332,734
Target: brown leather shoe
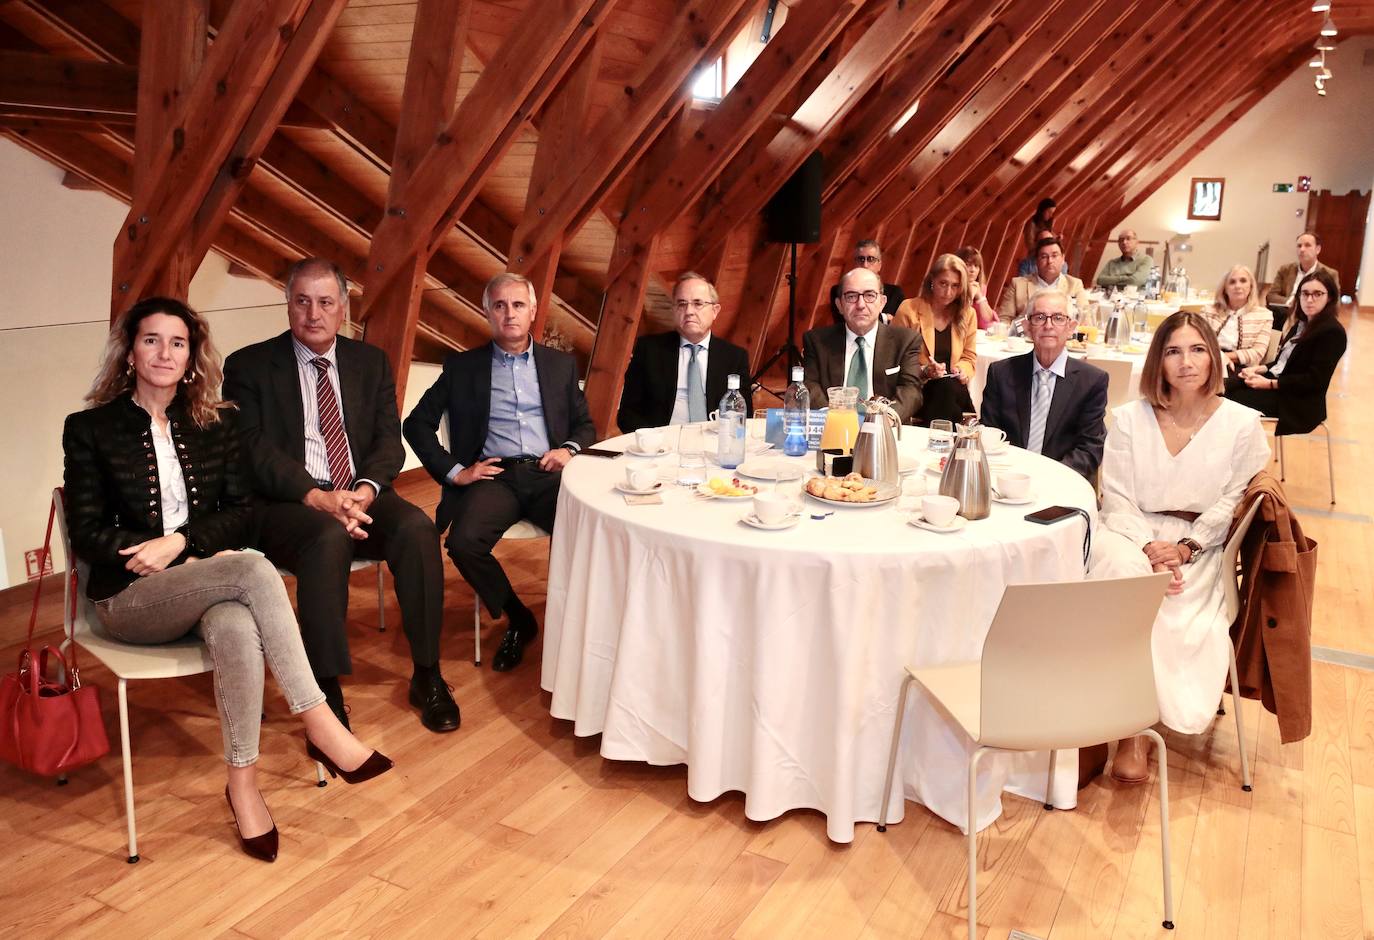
1131,764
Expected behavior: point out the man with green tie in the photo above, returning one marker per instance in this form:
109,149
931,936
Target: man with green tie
862,352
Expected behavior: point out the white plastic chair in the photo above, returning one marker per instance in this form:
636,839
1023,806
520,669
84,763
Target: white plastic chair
1119,390
524,529
127,661
1231,604
1278,447
1016,698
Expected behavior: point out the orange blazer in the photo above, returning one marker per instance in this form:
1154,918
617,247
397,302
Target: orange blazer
916,314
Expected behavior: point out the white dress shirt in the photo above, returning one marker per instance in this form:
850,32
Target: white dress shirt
316,457
684,356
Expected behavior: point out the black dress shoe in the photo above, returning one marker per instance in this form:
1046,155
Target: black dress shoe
263,847
438,711
512,648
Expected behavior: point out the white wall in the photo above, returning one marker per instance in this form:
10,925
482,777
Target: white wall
1290,133
55,263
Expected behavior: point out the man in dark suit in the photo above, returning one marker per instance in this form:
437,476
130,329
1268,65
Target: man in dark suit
869,256
876,358
659,386
516,416
321,433
1045,401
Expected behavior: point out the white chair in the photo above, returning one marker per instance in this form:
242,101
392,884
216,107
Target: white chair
1119,390
1230,559
1283,470
524,529
1272,352
1017,698
185,657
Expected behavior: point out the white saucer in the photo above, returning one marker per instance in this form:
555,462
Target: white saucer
752,520
636,452
1001,451
629,490
907,465
765,468
1023,501
919,522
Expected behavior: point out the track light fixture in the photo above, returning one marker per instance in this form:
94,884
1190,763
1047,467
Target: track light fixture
1328,27
1321,6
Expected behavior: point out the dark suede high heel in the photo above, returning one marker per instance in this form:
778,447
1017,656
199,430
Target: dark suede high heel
262,847
375,765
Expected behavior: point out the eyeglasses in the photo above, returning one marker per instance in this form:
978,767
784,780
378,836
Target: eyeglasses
867,259
697,305
1058,319
852,297
1312,294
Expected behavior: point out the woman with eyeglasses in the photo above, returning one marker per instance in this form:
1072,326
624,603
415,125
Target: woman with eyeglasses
1240,321
158,505
1293,388
1177,463
943,314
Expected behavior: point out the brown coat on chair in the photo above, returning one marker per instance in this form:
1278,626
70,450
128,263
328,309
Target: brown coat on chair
1273,631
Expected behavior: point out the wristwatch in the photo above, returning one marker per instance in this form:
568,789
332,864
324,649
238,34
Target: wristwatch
1194,549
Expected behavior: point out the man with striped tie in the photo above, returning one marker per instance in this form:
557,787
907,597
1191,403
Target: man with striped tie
322,436
1046,401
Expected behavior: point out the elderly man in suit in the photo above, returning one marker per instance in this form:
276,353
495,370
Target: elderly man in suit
1045,401
1286,281
322,436
862,352
1049,275
679,376
516,417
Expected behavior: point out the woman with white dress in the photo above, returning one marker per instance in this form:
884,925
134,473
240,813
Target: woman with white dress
1177,463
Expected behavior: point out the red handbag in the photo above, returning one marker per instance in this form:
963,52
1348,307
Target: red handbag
49,726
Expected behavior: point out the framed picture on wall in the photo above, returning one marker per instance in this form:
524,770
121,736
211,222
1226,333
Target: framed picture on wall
1204,198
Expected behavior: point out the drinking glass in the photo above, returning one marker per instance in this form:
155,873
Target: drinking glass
788,482
691,455
941,436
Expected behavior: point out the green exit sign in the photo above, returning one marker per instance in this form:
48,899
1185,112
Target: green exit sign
1283,187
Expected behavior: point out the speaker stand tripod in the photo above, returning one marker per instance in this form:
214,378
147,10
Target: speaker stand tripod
787,352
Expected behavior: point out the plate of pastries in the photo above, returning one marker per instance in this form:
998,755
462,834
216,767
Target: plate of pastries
852,490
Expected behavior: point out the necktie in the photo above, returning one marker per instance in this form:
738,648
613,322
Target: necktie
331,426
858,369
696,392
1040,410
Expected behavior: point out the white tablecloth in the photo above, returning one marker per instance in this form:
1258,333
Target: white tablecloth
770,661
991,349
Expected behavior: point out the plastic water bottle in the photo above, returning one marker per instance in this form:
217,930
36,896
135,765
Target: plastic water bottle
796,412
730,433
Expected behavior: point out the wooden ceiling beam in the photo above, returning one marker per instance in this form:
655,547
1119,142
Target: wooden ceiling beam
782,63
760,169
698,26
32,79
208,122
506,93
431,85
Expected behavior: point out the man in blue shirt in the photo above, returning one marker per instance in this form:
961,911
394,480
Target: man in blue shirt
516,416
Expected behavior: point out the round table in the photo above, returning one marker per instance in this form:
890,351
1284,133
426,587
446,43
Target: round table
770,662
994,348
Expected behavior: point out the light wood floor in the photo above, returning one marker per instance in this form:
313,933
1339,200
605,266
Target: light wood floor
513,828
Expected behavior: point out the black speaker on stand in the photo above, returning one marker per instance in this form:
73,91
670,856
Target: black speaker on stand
793,217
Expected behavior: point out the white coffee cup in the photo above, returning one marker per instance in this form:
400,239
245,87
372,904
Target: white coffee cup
1013,485
649,440
772,508
939,510
641,476
994,439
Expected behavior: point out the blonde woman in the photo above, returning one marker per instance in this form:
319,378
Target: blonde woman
973,260
1239,320
154,482
943,313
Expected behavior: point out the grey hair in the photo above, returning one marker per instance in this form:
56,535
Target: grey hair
694,276
317,267
501,280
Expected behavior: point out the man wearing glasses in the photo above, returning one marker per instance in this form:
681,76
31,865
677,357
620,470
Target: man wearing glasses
679,376
869,256
1049,275
1045,401
873,357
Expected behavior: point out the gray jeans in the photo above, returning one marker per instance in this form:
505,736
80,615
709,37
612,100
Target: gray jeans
238,605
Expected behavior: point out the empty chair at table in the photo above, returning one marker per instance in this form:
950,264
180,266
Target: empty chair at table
157,504
1177,463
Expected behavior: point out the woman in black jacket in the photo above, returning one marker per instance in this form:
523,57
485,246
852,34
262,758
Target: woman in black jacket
154,482
1293,387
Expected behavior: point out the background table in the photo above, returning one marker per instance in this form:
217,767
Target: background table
993,348
770,662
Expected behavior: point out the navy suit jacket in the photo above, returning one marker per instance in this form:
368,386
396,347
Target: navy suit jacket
1075,429
651,380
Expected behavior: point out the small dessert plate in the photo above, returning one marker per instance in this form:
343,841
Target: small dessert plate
920,522
1009,501
788,522
629,490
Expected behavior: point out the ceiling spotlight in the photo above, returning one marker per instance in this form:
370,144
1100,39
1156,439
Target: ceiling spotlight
1328,27
1321,6
1324,44
1316,64
1324,74
1321,92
